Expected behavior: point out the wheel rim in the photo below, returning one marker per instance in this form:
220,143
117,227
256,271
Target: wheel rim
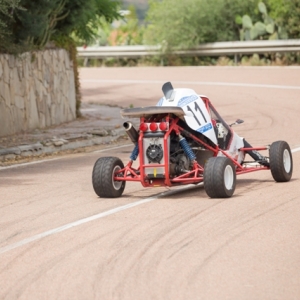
287,161
228,177
116,184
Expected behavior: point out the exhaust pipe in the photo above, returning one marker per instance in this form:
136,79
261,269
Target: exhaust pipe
131,132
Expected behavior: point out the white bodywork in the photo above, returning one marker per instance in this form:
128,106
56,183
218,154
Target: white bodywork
196,115
236,143
198,118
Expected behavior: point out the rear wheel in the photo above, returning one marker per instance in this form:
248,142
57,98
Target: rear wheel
219,177
103,177
281,161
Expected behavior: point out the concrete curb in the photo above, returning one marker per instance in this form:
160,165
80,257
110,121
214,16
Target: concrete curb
56,145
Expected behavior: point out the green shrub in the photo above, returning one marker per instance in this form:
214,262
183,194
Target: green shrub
28,25
184,24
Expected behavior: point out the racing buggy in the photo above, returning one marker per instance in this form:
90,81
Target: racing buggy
183,140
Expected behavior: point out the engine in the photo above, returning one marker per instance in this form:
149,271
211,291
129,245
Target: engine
183,150
179,162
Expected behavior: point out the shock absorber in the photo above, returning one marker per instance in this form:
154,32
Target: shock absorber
186,148
135,152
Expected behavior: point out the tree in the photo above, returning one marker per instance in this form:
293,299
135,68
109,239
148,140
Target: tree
287,15
128,32
187,23
86,12
41,21
7,9
35,24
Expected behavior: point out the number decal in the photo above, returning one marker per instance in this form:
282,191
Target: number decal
189,109
197,108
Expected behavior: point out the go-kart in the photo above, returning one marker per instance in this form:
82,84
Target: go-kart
183,140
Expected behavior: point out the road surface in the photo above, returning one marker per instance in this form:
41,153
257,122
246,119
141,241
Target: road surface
58,240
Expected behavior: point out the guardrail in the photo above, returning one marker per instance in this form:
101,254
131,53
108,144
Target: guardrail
211,49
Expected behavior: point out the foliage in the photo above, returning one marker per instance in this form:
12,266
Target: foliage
86,12
128,32
27,24
266,29
7,10
36,23
122,31
100,30
287,15
185,24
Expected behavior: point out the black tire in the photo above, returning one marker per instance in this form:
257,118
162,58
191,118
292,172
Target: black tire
219,177
281,161
103,172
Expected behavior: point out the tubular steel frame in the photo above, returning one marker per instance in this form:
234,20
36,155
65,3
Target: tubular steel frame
195,176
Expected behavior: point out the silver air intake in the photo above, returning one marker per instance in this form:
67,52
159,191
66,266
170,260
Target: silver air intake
131,132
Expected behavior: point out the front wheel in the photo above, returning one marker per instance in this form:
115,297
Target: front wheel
281,161
219,177
103,177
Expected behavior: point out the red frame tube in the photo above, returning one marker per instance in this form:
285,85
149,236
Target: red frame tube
128,173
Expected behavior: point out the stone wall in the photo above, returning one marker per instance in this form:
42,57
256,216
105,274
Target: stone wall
37,90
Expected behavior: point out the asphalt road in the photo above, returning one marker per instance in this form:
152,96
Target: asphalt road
58,240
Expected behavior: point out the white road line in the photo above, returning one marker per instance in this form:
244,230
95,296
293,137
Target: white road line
108,149
95,217
295,150
271,86
57,158
29,163
100,215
